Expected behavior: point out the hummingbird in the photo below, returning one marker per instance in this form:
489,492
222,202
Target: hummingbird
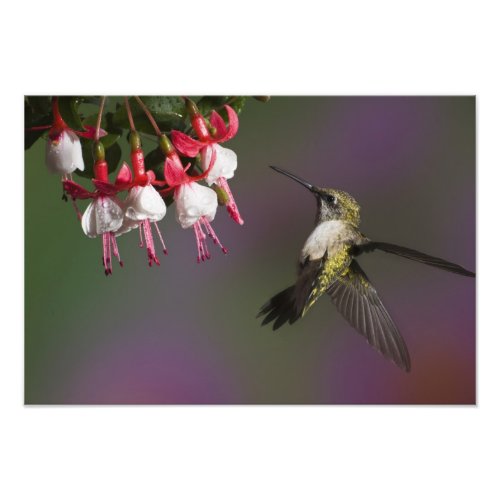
327,264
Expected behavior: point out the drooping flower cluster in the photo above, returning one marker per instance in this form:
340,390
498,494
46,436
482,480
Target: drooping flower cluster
135,200
225,161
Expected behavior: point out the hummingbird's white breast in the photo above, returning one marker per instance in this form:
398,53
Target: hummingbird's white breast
325,236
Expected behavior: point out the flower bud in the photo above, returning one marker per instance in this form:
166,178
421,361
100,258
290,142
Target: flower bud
99,151
191,107
135,141
166,145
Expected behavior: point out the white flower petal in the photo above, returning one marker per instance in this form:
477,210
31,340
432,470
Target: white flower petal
64,155
103,215
193,201
127,226
89,221
144,202
77,152
226,162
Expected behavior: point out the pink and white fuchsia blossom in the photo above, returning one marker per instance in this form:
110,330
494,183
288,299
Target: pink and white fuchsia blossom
63,153
104,216
195,205
208,144
143,208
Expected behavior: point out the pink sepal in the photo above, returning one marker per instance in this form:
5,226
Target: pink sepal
76,191
210,166
233,124
174,157
105,187
124,176
186,145
151,176
217,122
90,132
174,176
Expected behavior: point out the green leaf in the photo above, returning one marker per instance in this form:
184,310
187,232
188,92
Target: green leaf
168,112
40,104
91,120
208,103
113,156
90,99
164,105
88,160
238,103
32,119
68,107
109,140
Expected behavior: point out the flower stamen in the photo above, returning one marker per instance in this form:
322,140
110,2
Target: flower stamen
201,243
116,253
161,238
150,245
141,241
212,234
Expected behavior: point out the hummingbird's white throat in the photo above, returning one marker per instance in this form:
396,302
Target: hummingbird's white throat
324,237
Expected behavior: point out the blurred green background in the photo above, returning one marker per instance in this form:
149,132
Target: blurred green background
186,332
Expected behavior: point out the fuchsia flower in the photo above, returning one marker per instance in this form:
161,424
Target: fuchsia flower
143,207
63,153
195,205
208,145
104,216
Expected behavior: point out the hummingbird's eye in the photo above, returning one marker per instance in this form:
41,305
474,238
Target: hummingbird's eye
331,199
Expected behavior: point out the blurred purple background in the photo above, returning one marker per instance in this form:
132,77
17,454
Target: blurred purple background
186,333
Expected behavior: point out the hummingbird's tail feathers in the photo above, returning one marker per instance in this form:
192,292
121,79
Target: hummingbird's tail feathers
359,303
280,308
411,254
292,303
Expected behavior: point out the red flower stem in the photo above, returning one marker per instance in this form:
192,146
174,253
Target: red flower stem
129,114
149,115
99,118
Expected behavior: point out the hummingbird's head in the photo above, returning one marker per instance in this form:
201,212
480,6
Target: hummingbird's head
332,203
336,205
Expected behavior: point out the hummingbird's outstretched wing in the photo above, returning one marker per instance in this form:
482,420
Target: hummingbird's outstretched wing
359,303
314,278
411,254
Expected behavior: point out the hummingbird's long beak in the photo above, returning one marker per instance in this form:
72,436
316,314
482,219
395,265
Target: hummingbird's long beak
295,178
